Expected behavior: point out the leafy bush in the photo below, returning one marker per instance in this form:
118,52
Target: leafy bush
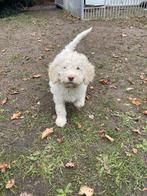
8,7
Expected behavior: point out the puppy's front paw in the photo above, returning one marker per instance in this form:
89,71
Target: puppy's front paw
60,122
79,104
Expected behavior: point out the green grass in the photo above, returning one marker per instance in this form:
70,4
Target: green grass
98,163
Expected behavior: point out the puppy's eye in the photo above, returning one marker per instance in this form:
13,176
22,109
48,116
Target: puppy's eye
78,68
64,67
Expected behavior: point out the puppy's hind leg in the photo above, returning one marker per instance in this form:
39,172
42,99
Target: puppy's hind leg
61,114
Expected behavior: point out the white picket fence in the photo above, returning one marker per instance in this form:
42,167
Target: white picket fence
104,9
112,9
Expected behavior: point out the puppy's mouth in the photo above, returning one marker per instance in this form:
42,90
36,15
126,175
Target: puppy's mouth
70,85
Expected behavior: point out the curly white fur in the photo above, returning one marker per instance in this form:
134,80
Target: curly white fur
70,73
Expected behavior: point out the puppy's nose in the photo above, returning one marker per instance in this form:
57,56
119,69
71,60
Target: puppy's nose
70,78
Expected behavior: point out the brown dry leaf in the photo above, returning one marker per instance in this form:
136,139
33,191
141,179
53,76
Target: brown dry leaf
91,87
87,191
91,116
88,97
16,115
40,58
4,167
113,86
136,101
136,131
79,125
10,184
4,50
59,140
145,81
144,189
145,112
4,101
46,49
128,154
109,138
25,194
101,133
104,81
135,150
70,165
39,40
47,132
36,75
124,35
142,76
14,92
25,79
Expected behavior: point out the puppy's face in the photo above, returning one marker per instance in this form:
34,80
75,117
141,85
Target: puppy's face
71,74
72,70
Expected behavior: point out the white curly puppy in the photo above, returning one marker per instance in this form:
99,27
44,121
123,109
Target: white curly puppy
69,74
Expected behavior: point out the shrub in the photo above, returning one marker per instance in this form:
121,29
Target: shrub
8,7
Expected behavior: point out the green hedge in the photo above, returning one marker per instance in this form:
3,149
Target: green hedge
9,7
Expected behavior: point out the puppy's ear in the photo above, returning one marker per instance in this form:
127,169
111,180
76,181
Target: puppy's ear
52,72
89,73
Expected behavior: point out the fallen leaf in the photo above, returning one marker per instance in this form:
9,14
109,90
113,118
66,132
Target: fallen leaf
145,112
88,97
87,191
129,89
134,150
25,194
16,115
46,49
36,75
145,80
144,189
124,35
115,56
40,57
136,101
128,154
47,132
104,81
14,92
10,184
59,140
142,76
25,79
4,50
102,134
117,129
113,86
136,131
91,116
39,40
109,138
70,165
91,87
4,101
4,167
79,125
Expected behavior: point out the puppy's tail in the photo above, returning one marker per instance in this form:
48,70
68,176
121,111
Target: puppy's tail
72,45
